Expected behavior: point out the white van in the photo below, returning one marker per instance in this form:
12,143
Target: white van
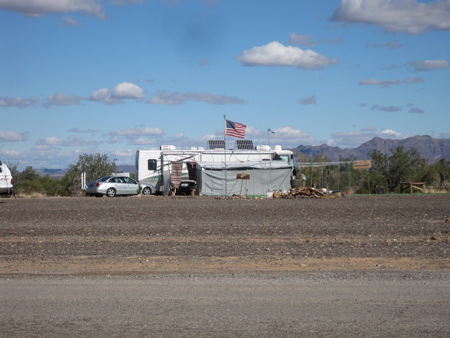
6,180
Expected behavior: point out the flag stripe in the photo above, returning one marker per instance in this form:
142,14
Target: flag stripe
235,129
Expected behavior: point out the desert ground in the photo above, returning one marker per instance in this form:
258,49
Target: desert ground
223,267
159,234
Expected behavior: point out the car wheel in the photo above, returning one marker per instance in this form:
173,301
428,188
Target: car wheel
146,191
110,192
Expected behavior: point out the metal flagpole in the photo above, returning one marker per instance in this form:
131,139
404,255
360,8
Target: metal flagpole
225,150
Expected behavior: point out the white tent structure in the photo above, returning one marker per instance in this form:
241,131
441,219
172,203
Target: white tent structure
248,178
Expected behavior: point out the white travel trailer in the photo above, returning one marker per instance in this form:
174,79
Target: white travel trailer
157,167
6,180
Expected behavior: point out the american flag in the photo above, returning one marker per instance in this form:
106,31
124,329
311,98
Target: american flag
235,129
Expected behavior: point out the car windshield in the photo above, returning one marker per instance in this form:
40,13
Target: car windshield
104,179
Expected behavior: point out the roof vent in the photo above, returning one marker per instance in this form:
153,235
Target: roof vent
262,148
168,147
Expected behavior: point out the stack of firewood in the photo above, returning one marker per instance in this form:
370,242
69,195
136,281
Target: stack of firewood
301,192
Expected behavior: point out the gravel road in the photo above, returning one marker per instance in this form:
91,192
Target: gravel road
295,305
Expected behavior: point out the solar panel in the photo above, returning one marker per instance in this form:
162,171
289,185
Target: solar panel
216,144
244,144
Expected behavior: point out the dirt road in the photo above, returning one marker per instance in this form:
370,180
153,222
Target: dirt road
245,305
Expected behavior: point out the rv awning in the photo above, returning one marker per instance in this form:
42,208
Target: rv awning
260,165
247,178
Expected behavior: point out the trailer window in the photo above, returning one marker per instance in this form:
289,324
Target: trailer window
151,164
285,158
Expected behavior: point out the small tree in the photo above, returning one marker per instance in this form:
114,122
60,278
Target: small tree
388,172
27,181
379,172
95,165
404,166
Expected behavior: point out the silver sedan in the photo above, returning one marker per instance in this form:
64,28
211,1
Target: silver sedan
114,185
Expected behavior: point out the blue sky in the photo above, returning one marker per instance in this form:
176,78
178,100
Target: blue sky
113,76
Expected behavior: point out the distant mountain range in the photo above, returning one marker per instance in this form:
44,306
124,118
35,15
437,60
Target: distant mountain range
430,148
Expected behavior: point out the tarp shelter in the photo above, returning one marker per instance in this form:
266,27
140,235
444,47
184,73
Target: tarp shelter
248,178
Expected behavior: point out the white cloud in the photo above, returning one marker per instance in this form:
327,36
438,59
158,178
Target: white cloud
176,98
391,133
125,153
17,102
48,157
41,147
353,139
82,131
103,95
127,90
407,16
428,65
49,141
250,132
142,141
10,153
120,92
288,137
137,132
135,136
38,8
75,141
276,54
12,136
350,139
381,83
61,99
166,98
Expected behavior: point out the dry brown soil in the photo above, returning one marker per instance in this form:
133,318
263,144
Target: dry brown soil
157,234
